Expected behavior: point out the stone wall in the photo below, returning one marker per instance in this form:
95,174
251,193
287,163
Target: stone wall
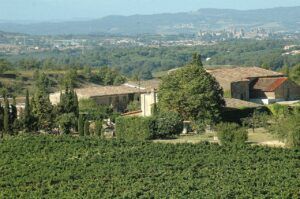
288,91
240,90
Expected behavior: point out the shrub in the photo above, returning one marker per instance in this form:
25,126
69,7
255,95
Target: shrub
288,129
257,120
66,122
231,134
134,106
135,128
167,125
278,110
162,125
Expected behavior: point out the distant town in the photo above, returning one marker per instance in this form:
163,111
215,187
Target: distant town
12,43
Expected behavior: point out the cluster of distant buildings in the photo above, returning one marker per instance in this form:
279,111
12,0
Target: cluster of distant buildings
222,35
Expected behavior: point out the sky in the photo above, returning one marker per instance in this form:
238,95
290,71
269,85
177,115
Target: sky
64,10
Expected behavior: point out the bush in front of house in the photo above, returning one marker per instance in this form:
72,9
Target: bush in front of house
231,134
288,129
167,125
279,110
135,128
160,126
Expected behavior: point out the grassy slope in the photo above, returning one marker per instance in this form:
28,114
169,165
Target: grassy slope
24,80
65,167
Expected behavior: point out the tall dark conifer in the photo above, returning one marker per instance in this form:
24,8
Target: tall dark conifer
6,115
27,114
1,120
14,113
87,128
81,125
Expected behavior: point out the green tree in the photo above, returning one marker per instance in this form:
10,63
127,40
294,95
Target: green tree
27,116
193,93
167,125
231,134
42,82
295,73
197,60
69,79
14,113
65,122
287,129
4,65
286,71
1,119
6,125
258,119
68,102
81,125
87,71
98,128
86,128
42,110
146,75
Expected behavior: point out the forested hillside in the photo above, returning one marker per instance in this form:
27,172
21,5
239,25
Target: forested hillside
17,71
277,19
134,60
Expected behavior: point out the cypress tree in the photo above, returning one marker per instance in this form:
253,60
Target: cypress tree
27,114
197,60
6,115
81,125
98,128
76,103
14,112
43,111
1,119
87,128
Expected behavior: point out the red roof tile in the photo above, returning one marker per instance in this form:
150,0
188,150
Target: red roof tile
268,84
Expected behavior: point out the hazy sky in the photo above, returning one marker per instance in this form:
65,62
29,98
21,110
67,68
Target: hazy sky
43,10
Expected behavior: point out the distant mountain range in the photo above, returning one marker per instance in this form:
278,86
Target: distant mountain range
275,19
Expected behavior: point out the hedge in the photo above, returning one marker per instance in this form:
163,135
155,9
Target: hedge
231,134
135,128
160,126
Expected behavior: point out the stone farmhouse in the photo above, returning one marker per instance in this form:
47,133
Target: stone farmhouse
248,86
256,84
116,96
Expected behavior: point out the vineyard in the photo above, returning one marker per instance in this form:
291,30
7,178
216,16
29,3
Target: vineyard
68,167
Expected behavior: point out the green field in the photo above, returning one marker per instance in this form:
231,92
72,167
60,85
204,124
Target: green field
70,167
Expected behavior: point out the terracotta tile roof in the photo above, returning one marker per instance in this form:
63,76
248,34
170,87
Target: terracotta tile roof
97,91
237,103
239,73
268,84
147,84
225,76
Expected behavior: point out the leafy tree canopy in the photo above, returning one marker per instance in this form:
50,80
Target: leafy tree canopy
192,92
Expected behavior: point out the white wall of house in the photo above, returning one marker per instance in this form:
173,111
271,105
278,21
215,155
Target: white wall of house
266,101
147,102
